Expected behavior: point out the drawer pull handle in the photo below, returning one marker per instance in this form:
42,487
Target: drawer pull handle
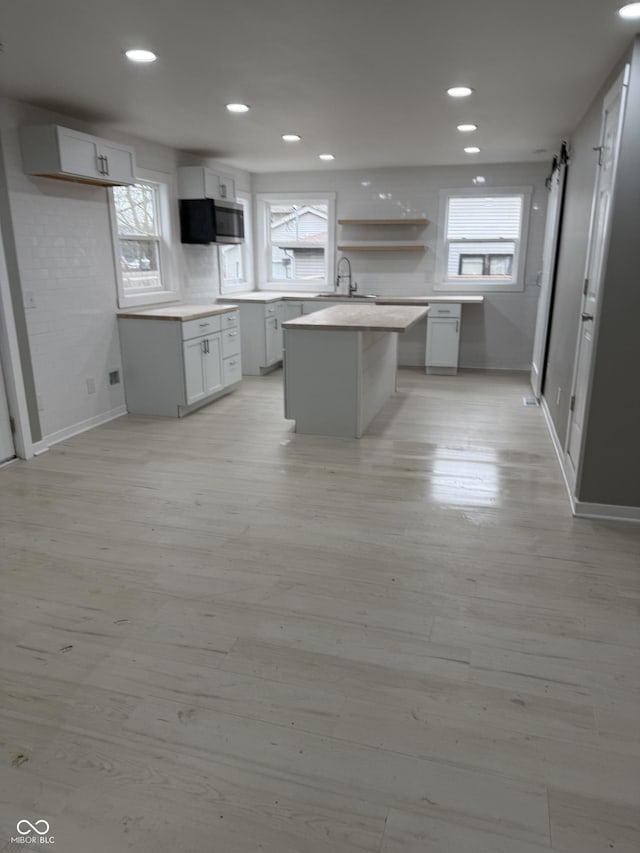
232,363
232,334
203,325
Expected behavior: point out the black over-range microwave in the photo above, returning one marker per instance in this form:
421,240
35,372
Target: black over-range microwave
208,220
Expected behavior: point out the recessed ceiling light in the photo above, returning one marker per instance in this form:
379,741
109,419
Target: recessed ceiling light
467,128
326,156
479,179
631,10
138,55
291,137
472,149
238,108
459,91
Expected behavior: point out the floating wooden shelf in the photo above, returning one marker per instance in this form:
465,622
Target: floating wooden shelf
383,221
373,247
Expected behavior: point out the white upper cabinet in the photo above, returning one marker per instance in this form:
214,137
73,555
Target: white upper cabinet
51,151
200,182
227,187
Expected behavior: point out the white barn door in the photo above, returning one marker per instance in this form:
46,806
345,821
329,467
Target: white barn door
556,186
612,118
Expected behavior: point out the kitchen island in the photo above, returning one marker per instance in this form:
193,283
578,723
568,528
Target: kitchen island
340,365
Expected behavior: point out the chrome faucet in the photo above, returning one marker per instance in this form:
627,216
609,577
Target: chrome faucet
352,285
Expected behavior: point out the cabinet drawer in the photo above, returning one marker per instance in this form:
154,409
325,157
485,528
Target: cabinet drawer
230,342
229,320
201,326
232,370
444,309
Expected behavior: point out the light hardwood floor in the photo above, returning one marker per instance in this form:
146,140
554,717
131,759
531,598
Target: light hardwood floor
221,637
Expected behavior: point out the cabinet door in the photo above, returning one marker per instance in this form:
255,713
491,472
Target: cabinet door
291,310
119,163
194,369
273,340
227,187
212,358
79,154
443,338
211,184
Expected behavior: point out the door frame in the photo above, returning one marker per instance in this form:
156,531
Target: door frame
573,472
11,366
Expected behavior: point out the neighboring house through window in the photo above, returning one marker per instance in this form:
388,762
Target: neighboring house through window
297,240
141,225
484,239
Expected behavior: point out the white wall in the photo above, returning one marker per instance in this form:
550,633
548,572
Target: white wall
498,334
65,266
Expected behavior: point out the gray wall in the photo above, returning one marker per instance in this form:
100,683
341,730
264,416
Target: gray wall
611,460
496,335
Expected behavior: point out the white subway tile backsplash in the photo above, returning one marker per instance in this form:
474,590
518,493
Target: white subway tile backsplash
66,261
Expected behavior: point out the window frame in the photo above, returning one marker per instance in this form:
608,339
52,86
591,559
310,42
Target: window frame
246,248
166,188
263,201
484,284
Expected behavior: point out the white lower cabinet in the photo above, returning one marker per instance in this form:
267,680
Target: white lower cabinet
272,340
261,326
172,367
443,338
202,367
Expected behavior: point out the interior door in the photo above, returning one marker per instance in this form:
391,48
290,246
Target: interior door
613,114
7,450
549,256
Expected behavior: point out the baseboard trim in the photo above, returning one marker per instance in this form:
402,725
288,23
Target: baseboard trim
559,451
82,426
608,512
584,509
39,447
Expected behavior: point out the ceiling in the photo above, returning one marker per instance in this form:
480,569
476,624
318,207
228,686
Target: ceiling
363,79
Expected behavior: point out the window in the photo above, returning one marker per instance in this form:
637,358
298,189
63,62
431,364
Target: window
236,260
297,242
484,234
141,232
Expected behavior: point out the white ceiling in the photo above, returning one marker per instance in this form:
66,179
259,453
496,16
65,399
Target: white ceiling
364,79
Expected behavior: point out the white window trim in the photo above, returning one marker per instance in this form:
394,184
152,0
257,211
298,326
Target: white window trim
167,204
247,248
264,262
487,285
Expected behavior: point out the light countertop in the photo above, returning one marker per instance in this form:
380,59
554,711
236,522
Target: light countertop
265,297
362,317
177,312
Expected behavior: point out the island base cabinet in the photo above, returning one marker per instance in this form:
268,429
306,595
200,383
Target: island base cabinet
443,339
336,382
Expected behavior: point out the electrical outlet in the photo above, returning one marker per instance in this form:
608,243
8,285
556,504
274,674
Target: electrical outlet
29,299
91,385
558,394
114,377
